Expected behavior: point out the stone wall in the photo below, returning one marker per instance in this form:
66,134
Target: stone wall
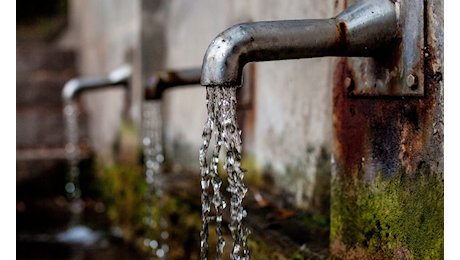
105,34
290,119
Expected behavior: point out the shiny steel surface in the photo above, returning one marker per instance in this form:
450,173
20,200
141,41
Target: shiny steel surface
361,30
118,76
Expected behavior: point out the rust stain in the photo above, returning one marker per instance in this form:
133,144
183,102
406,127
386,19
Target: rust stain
385,65
417,123
342,34
391,131
347,123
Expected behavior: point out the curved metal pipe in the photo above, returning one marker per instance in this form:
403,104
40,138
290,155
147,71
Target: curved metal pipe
361,30
118,76
167,79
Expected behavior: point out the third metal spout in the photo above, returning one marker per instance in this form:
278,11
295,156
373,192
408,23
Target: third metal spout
361,30
118,76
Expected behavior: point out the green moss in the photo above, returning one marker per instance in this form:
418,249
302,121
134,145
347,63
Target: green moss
260,250
184,224
314,220
123,188
405,211
321,199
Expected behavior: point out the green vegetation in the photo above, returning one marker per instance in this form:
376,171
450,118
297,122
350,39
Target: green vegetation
389,215
123,188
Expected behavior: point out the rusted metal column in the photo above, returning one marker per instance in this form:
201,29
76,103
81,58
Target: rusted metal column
387,179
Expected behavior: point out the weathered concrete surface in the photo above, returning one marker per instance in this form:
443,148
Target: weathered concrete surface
42,69
105,34
41,72
388,187
287,123
388,153
290,117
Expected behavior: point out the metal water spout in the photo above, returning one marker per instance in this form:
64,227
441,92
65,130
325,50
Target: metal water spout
362,30
167,79
118,76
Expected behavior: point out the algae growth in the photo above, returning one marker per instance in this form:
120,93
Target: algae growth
401,217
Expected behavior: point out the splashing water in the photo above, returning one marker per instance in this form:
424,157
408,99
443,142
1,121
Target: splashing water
156,225
73,156
221,105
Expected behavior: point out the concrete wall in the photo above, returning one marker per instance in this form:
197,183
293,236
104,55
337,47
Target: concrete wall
292,108
290,119
105,34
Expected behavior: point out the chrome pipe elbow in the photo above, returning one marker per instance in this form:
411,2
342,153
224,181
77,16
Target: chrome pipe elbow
361,30
118,76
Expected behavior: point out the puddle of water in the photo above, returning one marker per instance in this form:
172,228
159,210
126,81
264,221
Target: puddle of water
79,234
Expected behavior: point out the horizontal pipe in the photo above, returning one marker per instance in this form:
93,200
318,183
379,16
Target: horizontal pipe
361,30
167,79
119,76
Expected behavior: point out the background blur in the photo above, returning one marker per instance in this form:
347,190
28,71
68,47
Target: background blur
287,125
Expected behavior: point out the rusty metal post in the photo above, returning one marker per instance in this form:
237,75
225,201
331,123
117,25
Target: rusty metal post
387,198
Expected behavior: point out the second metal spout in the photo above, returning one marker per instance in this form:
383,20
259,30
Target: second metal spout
167,79
361,30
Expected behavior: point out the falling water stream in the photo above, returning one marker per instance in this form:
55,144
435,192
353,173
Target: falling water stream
76,232
73,156
155,232
221,106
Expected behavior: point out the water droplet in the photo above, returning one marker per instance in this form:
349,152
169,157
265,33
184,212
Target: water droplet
160,253
149,173
68,110
153,244
149,164
146,141
149,180
160,158
69,148
70,187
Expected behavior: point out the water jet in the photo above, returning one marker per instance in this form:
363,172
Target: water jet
120,76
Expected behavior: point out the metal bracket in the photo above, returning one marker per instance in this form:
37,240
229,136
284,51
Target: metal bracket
398,71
